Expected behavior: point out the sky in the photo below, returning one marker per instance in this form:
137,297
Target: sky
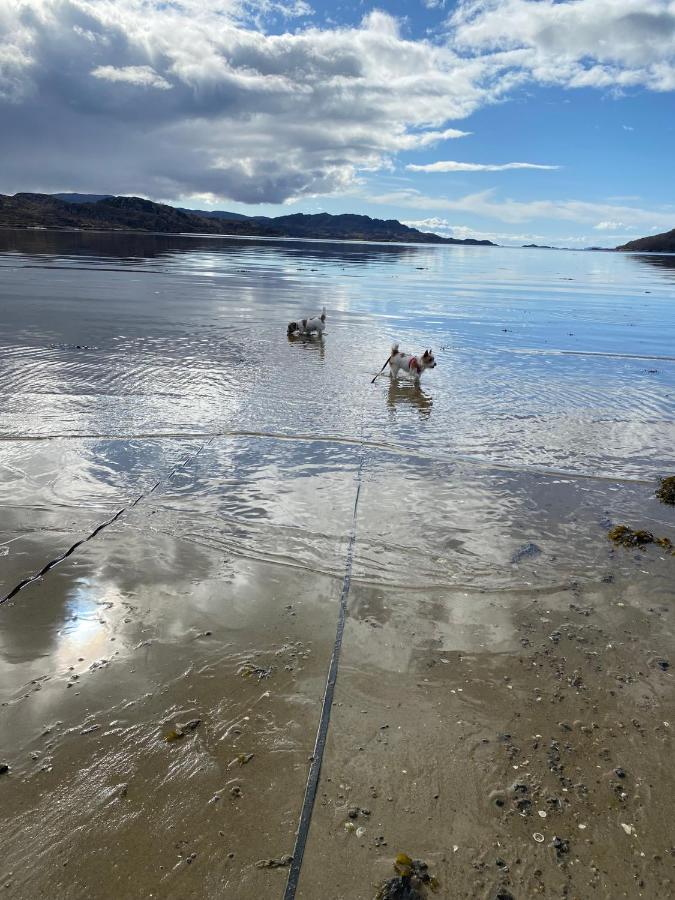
521,121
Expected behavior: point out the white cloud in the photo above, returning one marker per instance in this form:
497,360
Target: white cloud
143,76
487,205
451,166
512,238
610,226
170,99
577,43
250,116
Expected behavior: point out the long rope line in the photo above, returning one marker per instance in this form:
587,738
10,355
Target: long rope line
120,512
313,776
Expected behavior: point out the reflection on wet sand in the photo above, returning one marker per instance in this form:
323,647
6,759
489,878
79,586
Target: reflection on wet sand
408,393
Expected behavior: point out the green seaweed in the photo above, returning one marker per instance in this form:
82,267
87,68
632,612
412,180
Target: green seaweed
666,492
627,537
623,536
410,882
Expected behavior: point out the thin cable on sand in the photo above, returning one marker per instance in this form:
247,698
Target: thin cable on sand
99,528
326,706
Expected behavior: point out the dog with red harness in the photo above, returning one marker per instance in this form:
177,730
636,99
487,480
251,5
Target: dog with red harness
412,365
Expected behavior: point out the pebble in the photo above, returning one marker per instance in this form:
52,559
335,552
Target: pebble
4,768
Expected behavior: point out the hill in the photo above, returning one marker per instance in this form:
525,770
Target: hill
114,214
102,212
656,243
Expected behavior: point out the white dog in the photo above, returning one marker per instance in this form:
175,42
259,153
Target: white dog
412,365
315,325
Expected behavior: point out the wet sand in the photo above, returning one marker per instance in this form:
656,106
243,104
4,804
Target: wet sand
504,707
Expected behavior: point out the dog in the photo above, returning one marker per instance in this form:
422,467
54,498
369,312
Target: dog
315,325
412,365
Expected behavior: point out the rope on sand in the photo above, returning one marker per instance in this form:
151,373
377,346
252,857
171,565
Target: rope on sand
99,528
326,706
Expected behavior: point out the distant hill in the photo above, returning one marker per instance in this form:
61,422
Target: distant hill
219,214
80,198
103,212
115,214
656,243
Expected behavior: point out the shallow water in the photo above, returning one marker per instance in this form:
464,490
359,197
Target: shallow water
152,374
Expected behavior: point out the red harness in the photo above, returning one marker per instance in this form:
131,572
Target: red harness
413,364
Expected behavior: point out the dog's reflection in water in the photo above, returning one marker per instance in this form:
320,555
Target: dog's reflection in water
309,342
409,393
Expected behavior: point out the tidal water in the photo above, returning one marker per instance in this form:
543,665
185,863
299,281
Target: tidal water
178,485
123,355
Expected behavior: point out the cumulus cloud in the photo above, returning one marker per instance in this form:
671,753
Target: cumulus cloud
451,166
194,97
576,43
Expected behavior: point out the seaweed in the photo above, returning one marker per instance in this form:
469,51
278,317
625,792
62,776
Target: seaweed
410,882
274,863
241,760
179,732
627,537
623,536
249,669
666,492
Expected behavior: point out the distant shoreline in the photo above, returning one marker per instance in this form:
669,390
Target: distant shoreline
44,229
37,212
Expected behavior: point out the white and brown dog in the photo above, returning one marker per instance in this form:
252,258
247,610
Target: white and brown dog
412,365
315,325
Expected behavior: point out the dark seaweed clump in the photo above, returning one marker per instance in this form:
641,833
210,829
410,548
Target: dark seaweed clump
666,493
411,880
624,536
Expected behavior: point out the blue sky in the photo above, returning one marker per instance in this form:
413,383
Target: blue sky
517,120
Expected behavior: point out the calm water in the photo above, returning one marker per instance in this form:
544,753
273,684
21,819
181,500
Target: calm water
124,355
547,360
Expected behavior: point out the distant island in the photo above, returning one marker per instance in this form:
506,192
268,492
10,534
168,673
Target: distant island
656,243
537,247
108,213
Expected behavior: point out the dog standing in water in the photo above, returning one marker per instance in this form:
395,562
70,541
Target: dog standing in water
412,365
315,325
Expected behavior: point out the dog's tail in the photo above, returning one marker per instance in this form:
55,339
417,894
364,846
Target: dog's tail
394,350
323,314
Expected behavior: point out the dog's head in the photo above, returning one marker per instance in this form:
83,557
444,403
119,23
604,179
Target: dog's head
427,360
292,327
